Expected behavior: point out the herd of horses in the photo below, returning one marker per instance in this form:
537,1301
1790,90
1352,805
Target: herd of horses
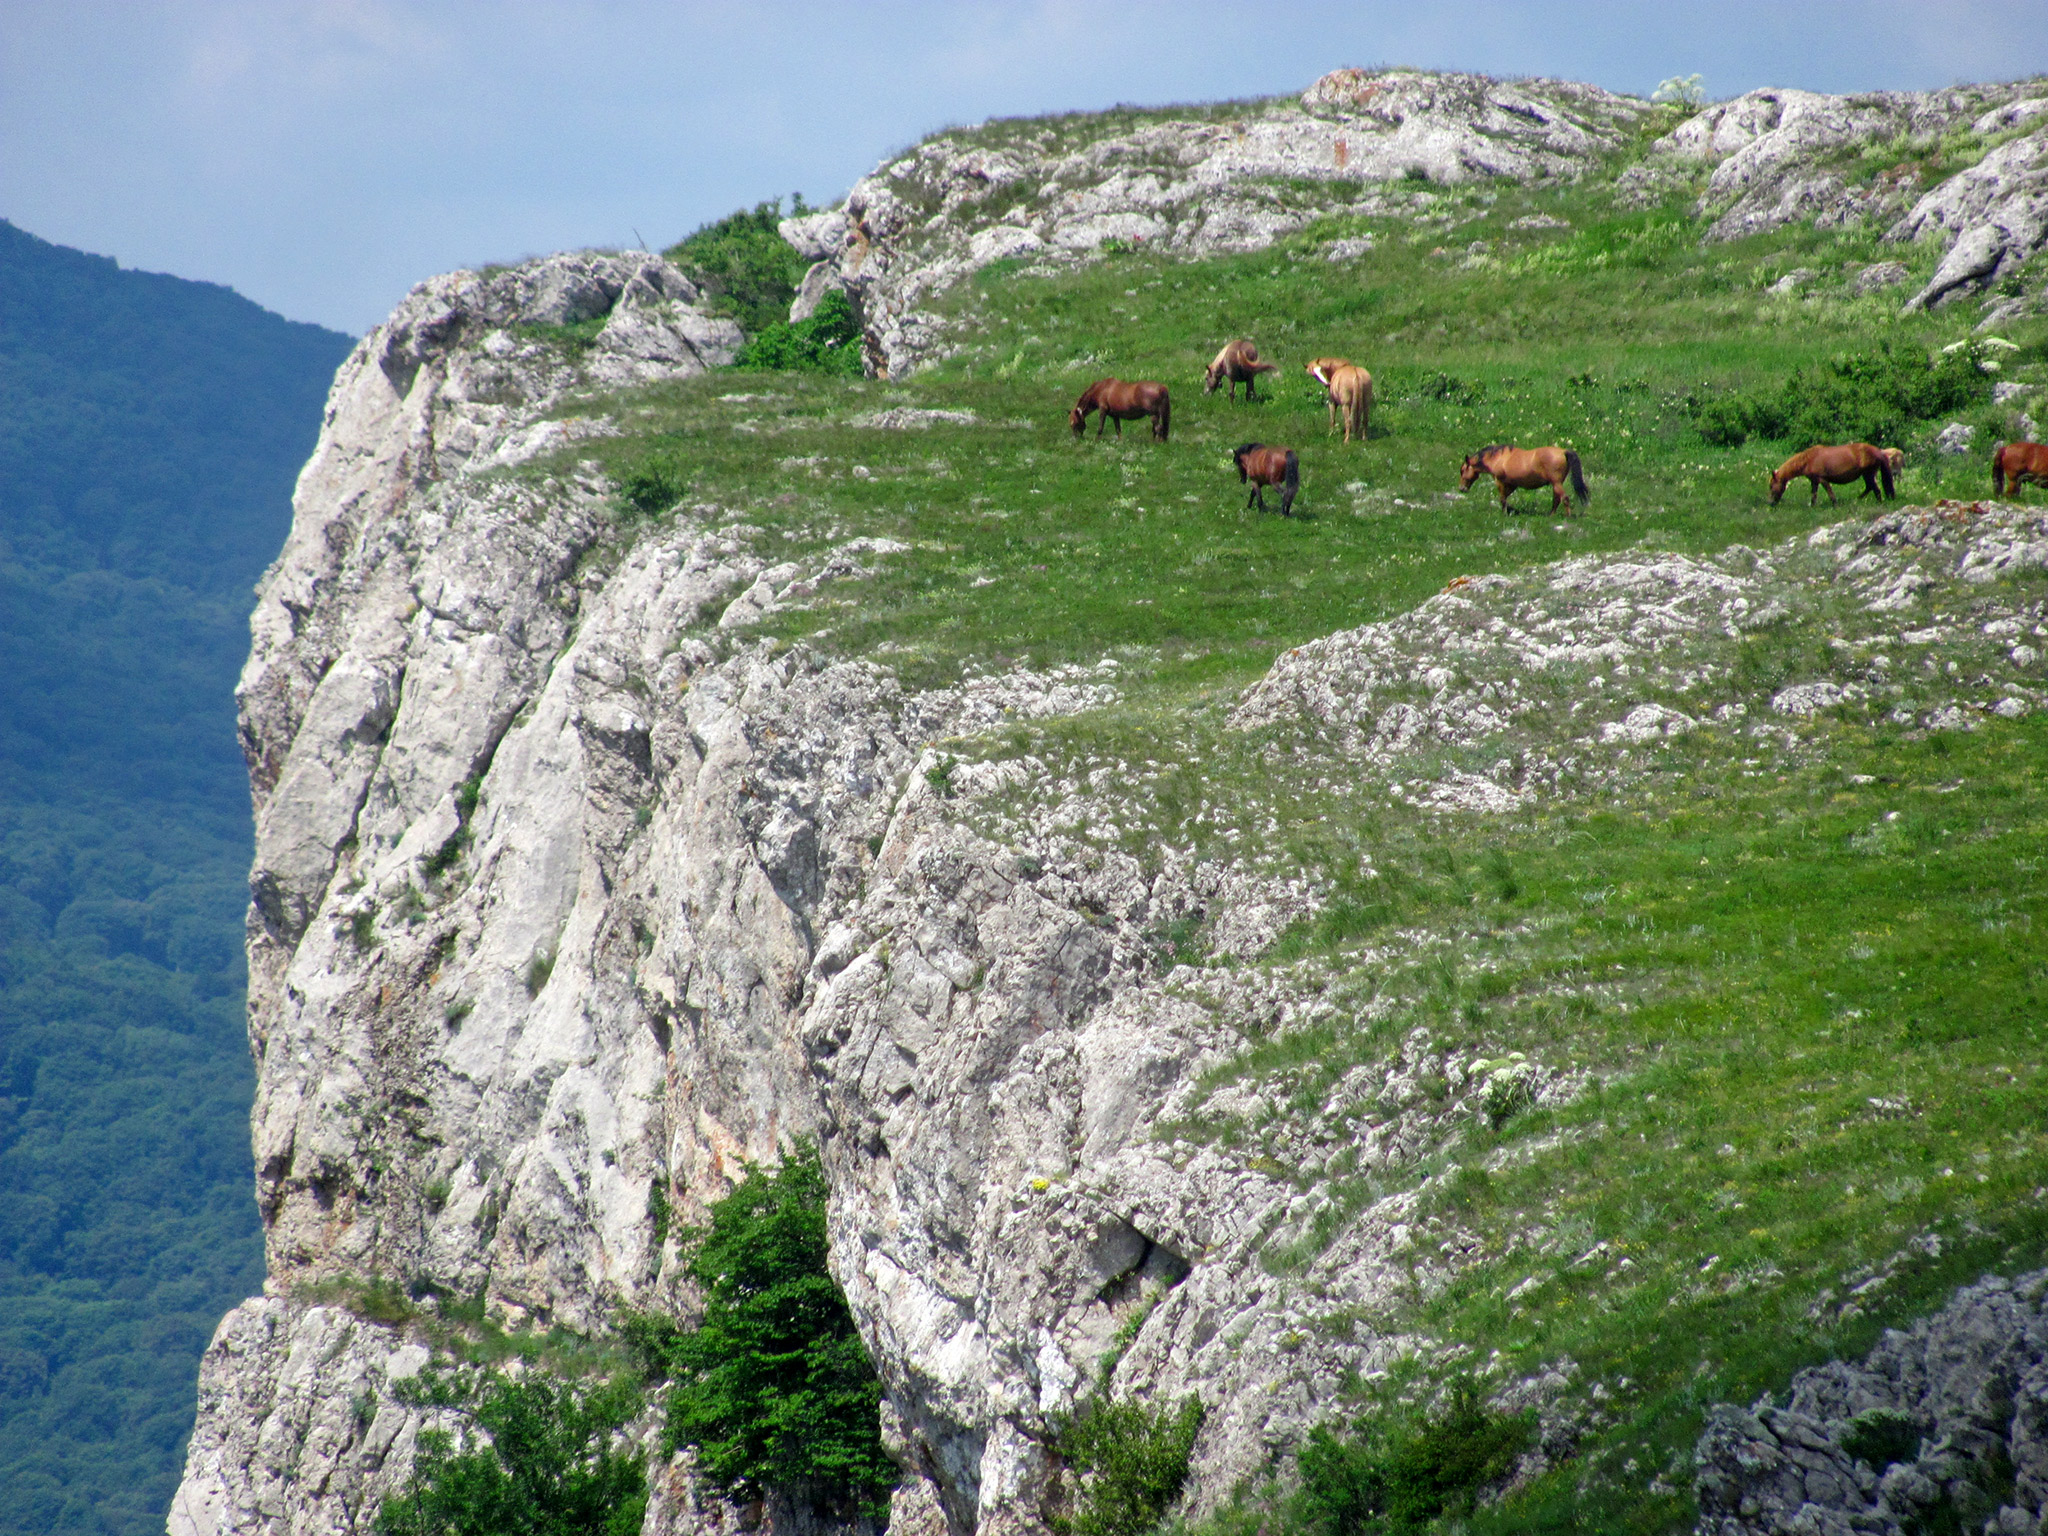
1348,390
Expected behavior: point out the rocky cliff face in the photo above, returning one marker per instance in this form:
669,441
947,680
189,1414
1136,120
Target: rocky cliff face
570,897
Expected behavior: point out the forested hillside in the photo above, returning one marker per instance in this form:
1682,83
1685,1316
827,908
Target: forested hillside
150,430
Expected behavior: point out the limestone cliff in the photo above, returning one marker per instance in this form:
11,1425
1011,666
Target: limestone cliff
570,897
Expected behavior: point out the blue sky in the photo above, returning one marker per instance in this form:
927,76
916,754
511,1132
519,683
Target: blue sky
323,155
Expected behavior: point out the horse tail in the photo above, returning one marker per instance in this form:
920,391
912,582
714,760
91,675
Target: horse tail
1164,420
1291,485
1572,468
1998,469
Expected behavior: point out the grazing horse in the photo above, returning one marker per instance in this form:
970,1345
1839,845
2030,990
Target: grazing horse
1830,466
1517,469
1120,401
1263,466
1349,389
2019,463
1239,364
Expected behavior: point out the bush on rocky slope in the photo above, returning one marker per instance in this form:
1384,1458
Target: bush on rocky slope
1878,396
535,1457
746,268
773,1387
827,341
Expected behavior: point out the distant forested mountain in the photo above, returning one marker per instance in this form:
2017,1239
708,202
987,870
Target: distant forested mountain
150,431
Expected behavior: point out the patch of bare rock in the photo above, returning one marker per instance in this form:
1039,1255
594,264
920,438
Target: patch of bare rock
1940,1427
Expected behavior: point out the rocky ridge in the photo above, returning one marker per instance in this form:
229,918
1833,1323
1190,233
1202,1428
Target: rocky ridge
1364,145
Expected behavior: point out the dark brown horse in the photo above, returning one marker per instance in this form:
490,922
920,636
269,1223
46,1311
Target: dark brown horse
1262,466
1120,401
2018,463
1830,466
1238,363
1518,469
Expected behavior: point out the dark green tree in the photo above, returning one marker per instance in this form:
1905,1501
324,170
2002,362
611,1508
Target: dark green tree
1133,1462
773,1388
745,265
549,1462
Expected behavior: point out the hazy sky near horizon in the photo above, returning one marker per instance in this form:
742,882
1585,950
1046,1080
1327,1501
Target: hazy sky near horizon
321,156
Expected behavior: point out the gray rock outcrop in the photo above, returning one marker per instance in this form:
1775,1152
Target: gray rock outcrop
1041,191
1943,1426
1778,157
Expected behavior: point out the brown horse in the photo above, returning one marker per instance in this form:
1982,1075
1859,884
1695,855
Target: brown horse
1120,401
1239,364
1263,466
1517,469
1830,466
2019,463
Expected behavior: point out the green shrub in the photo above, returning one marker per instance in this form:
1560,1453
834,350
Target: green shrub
654,485
538,970
1132,1462
749,271
773,1388
1882,1436
827,342
551,1465
1871,397
1399,1483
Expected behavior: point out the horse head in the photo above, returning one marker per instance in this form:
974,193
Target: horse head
1077,418
1473,467
1212,376
1779,480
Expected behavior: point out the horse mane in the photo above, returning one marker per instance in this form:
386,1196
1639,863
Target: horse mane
1491,448
1244,448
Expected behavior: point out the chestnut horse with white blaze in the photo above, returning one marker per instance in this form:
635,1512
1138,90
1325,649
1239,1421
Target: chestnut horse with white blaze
1238,363
1262,466
1120,401
1831,465
2019,463
1520,469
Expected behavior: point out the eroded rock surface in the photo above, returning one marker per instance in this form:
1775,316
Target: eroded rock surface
1058,189
1942,1426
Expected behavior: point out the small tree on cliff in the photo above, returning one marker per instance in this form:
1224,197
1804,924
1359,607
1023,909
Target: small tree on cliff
548,1461
773,1388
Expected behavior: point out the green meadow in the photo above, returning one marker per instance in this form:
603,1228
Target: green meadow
1810,986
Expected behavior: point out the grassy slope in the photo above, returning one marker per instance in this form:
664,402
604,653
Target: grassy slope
1749,956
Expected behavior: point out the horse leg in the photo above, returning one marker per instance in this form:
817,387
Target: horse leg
1504,495
1833,499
